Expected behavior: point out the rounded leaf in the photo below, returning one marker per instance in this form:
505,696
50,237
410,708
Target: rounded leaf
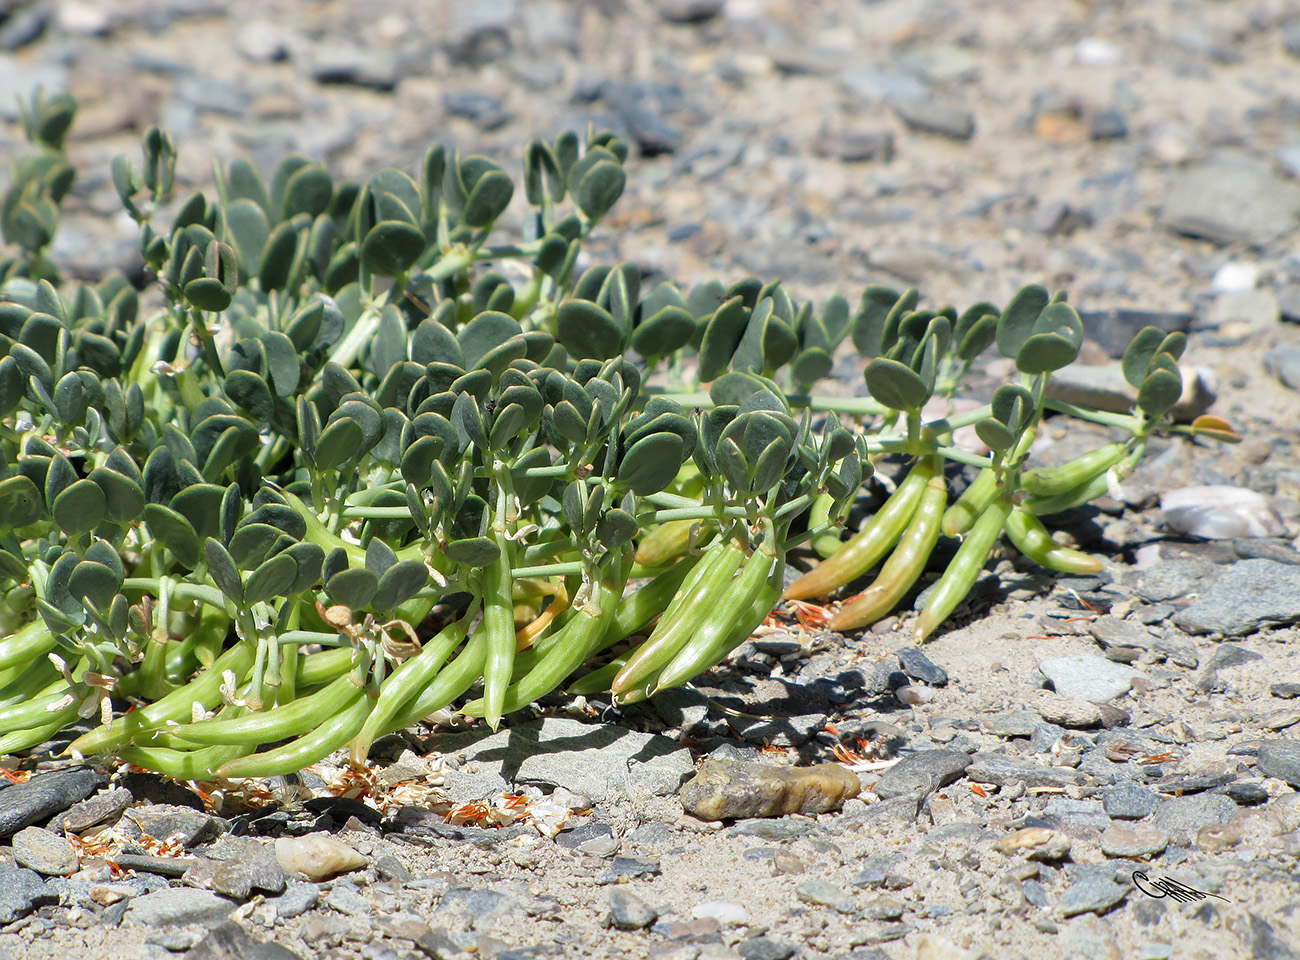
80,508
392,247
895,385
586,330
651,463
20,502
1016,324
399,583
472,551
353,587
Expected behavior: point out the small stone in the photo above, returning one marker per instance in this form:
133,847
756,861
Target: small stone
856,146
389,867
1036,843
725,912
1281,759
821,892
106,807
255,868
347,900
627,911
1285,691
919,667
1182,817
1090,888
766,948
689,11
1074,713
46,853
1281,719
1094,679
297,899
1018,723
922,772
1248,595
731,789
882,908
1128,801
316,856
487,112
785,862
1246,792
1136,842
1219,512
354,65
22,891
177,906
627,867
231,942
1231,199
44,795
1002,769
167,821
931,115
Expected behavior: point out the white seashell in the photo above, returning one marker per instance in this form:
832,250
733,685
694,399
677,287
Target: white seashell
1220,513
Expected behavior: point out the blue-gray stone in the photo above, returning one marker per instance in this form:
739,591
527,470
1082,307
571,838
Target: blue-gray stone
1247,595
298,897
627,911
45,795
922,772
1128,801
919,667
22,891
177,906
1090,887
1232,198
230,941
1182,817
1281,759
1094,679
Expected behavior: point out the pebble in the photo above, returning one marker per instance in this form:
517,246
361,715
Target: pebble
230,941
627,911
1219,512
45,795
1018,723
1181,817
106,807
1036,843
1094,679
1231,199
1105,388
1128,801
1245,792
1136,842
689,11
1248,595
1090,888
255,867
726,912
316,856
1281,759
1074,713
297,899
882,908
148,863
1285,690
922,772
45,852
766,948
347,900
166,821
919,667
731,789
1002,769
627,868
22,891
931,115
821,892
177,906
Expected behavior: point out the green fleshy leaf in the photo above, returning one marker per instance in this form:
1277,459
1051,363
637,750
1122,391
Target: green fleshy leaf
895,385
392,247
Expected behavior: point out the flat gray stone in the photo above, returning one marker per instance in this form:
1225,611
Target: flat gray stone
922,773
177,906
46,853
1094,679
231,942
1231,199
1017,723
1001,769
1129,801
1281,759
22,891
1090,888
627,911
1247,595
44,795
594,760
1181,817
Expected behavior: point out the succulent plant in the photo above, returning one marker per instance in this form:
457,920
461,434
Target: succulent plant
247,513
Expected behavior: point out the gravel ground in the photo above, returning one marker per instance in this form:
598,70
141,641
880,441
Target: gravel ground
1143,156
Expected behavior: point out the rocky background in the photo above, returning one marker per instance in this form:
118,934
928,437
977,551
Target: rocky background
1144,156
